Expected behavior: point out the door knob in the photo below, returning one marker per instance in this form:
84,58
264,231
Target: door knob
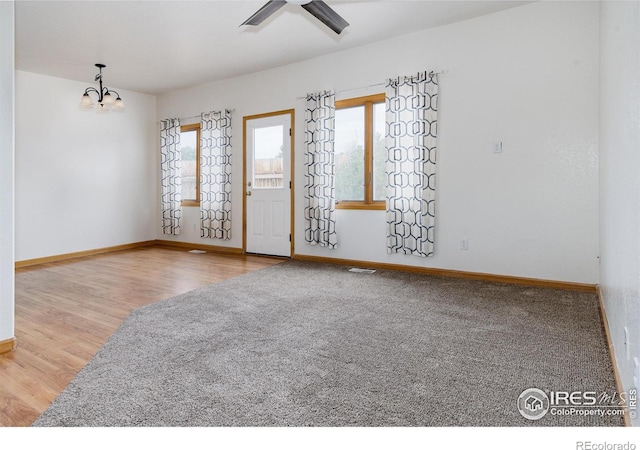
248,192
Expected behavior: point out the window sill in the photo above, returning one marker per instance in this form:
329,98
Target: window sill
190,203
362,205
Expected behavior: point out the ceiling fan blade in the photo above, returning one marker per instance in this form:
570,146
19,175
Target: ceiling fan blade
326,15
264,12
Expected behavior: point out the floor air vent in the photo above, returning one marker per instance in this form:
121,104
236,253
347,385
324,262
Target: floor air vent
358,270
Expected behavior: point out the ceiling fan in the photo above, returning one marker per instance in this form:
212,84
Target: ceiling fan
318,8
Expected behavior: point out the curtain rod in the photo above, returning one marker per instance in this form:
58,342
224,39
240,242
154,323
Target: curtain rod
432,72
198,116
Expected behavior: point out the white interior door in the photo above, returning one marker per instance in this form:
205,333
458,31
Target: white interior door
268,189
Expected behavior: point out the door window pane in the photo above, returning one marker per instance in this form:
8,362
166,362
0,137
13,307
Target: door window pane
188,146
268,146
349,154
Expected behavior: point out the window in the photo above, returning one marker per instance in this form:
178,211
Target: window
190,168
360,153
268,145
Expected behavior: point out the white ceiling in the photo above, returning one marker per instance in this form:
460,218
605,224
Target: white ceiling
159,46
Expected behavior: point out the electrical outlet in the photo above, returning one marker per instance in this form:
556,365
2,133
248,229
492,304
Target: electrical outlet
497,147
464,244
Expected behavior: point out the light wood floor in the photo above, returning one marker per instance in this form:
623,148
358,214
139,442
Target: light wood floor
65,311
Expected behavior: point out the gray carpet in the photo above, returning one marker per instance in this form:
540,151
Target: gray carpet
306,344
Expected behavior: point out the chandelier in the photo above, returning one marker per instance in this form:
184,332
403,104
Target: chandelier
107,98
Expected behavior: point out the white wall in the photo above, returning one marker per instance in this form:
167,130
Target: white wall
527,77
6,170
84,180
620,180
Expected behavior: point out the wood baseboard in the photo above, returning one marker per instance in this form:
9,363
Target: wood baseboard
8,345
97,251
205,247
535,282
373,265
614,362
164,243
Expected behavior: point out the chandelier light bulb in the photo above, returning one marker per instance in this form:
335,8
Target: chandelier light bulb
86,102
108,99
119,104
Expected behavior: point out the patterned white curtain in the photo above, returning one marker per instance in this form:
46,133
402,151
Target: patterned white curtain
319,196
171,180
411,122
215,175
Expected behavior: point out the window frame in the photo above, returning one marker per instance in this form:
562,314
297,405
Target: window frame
194,127
368,102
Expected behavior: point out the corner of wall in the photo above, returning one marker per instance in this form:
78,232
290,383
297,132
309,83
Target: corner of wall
619,176
7,152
